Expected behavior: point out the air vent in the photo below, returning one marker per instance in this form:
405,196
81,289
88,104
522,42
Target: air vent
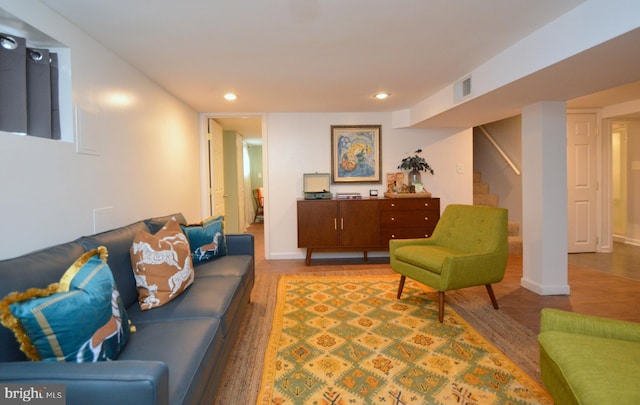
462,89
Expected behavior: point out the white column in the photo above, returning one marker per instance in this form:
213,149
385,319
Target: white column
544,198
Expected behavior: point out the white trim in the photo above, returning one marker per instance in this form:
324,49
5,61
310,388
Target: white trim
545,289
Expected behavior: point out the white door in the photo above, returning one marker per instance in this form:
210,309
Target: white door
582,182
216,168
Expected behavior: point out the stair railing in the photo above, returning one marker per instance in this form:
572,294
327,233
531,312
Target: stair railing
500,150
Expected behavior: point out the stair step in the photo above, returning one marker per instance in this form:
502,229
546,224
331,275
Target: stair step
480,188
477,177
513,228
515,245
490,200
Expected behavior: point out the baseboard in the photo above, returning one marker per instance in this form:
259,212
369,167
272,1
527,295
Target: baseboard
560,289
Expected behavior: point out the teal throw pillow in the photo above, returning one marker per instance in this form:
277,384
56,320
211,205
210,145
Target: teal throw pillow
206,239
80,319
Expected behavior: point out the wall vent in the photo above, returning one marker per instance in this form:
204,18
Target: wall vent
462,89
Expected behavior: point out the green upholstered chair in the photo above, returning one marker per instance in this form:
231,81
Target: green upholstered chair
469,247
589,360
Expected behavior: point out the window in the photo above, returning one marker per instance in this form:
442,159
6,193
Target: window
35,90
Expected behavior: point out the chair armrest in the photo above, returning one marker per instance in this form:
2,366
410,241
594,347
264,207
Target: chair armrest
571,322
240,244
121,382
463,270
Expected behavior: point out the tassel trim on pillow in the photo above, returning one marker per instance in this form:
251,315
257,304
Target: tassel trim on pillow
11,322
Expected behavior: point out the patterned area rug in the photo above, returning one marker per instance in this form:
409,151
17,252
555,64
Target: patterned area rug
348,340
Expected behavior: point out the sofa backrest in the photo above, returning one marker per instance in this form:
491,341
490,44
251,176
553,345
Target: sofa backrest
156,223
34,270
118,242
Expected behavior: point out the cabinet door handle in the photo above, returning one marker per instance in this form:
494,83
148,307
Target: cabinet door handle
341,223
393,219
393,205
393,236
426,204
335,224
426,218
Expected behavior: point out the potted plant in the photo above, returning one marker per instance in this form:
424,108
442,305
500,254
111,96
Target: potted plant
415,164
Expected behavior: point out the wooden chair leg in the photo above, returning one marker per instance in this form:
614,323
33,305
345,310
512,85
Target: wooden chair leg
441,306
401,286
492,296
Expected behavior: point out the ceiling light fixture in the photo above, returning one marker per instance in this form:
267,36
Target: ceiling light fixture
230,96
382,96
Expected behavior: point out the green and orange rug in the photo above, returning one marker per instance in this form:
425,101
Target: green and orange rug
348,340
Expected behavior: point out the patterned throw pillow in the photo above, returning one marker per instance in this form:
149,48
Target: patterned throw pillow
161,265
80,319
206,239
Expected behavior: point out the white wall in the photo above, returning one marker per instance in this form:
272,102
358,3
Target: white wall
148,152
301,143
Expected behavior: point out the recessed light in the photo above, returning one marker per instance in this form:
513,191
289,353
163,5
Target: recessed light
381,96
230,96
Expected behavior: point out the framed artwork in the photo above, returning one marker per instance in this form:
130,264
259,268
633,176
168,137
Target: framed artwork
356,154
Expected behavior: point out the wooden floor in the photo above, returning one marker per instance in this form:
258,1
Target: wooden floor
602,284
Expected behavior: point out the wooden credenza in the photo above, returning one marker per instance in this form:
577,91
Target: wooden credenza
363,224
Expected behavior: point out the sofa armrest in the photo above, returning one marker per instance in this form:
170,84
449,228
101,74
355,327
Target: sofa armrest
115,382
240,244
571,322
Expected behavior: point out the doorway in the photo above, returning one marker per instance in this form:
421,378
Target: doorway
625,184
238,162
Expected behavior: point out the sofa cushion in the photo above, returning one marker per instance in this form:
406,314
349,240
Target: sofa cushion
118,242
190,348
598,370
156,223
206,239
218,297
237,266
161,264
80,319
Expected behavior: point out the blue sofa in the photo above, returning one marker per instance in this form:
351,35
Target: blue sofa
179,351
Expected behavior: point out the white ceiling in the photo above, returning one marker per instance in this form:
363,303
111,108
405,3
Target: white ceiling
307,55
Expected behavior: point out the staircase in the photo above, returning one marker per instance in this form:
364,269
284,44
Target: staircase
481,196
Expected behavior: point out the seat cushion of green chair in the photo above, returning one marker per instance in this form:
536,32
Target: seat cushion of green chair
428,257
598,370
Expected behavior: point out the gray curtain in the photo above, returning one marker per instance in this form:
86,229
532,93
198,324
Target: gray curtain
13,79
38,93
28,89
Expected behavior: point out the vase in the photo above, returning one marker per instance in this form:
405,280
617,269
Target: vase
414,177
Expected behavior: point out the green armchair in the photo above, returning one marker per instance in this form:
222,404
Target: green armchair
589,360
469,247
